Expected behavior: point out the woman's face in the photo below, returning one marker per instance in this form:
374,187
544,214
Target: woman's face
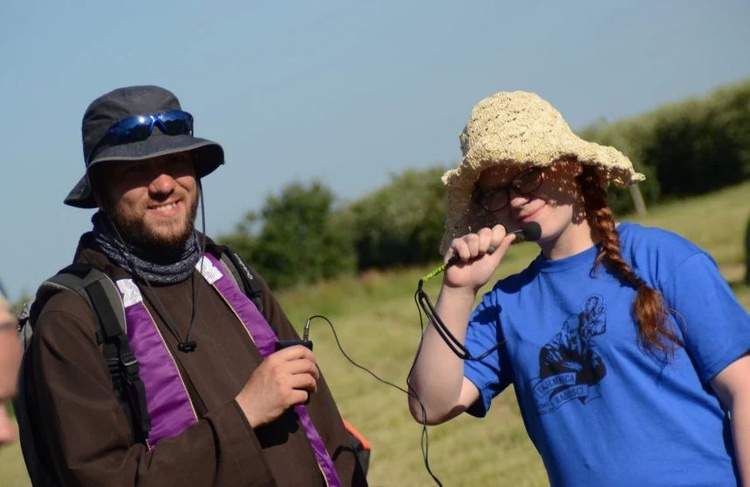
556,202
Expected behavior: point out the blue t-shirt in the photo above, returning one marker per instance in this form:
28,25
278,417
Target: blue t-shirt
599,409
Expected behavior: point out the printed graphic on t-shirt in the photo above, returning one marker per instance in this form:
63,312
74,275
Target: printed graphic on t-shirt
569,365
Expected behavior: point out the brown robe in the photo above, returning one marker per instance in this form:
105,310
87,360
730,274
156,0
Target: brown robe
87,437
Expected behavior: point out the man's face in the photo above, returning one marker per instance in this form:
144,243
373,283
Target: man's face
10,359
152,203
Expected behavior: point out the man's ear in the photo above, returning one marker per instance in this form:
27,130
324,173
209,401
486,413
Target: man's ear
95,191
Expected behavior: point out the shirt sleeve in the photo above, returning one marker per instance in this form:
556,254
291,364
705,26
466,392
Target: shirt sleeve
482,335
88,435
714,325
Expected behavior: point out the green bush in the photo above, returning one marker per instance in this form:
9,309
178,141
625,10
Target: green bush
747,253
296,238
401,223
702,145
691,147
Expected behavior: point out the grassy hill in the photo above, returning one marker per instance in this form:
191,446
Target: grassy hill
377,323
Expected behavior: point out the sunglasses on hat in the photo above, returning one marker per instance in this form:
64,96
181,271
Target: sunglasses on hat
140,127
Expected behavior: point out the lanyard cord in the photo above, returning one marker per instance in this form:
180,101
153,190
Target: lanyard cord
183,345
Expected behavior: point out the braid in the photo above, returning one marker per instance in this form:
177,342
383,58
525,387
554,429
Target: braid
649,307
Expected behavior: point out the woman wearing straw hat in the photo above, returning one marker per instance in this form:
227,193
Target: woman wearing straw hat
627,350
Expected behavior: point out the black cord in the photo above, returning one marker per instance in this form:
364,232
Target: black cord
459,349
424,304
164,315
187,345
424,441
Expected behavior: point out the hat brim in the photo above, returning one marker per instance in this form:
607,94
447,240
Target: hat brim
209,156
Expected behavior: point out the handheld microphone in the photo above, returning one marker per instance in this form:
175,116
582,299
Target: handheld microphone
529,232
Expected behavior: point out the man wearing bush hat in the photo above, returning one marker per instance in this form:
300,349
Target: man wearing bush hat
224,407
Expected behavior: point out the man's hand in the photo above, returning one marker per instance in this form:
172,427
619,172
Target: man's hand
285,378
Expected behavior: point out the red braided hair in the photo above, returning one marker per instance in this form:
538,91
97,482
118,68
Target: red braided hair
649,307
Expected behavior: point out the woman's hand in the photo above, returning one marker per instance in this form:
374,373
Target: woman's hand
478,256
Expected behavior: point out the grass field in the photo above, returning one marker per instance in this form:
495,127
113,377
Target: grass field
377,323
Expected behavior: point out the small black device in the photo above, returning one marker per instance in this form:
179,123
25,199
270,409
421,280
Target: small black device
304,341
290,343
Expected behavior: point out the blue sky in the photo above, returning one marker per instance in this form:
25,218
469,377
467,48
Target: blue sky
348,92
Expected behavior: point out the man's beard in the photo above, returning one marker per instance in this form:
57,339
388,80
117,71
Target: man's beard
136,233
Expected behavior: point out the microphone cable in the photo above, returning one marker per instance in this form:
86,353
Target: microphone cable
529,231
424,305
424,440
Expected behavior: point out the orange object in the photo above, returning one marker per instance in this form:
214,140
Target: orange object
357,435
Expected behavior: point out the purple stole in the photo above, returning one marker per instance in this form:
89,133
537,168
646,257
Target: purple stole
167,399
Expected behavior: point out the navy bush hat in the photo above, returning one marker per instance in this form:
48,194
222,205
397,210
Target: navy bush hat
122,104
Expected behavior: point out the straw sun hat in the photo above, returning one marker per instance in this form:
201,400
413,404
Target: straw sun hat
518,128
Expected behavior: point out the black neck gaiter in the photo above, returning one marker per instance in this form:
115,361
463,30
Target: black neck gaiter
155,266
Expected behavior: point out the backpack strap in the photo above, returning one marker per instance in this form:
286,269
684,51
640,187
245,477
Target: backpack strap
244,275
100,293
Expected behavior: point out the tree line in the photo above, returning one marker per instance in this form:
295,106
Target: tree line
306,234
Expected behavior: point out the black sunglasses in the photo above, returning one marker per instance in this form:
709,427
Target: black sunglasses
523,183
